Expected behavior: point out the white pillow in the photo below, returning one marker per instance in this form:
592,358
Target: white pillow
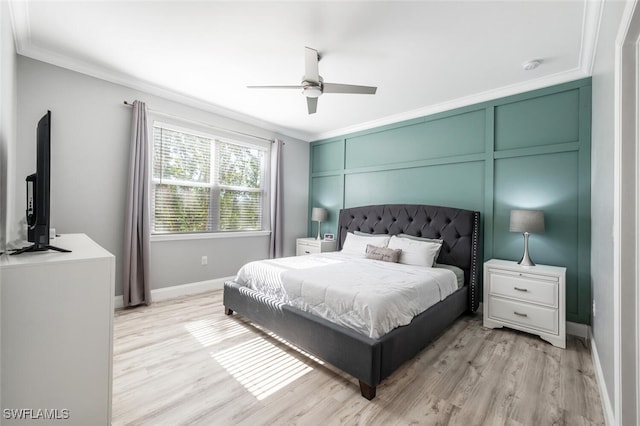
430,240
413,237
357,244
415,252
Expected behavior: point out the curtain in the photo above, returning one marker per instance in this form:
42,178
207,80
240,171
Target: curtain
276,213
136,286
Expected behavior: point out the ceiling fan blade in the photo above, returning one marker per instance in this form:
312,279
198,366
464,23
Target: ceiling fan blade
311,65
312,105
274,87
348,88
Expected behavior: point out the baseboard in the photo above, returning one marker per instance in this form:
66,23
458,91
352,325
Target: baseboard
607,409
577,329
172,292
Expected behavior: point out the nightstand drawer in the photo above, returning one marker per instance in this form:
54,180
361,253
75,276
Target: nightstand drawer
524,287
530,316
303,248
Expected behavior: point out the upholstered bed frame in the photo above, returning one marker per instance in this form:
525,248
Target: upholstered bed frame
372,360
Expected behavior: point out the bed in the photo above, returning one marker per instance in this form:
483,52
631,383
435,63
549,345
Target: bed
371,360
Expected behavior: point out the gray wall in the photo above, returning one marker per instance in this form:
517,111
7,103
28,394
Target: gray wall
8,89
90,139
8,99
602,186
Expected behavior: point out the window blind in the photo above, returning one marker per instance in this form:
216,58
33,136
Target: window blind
203,184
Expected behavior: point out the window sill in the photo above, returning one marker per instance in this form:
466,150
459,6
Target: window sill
207,235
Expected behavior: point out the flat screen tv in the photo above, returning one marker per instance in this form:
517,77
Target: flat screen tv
38,192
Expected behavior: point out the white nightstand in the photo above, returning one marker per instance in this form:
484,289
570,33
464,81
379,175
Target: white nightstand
311,245
527,298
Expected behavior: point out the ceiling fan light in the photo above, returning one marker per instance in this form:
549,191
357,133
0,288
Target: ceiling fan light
312,91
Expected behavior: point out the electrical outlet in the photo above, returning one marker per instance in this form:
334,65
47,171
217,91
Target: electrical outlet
204,260
593,308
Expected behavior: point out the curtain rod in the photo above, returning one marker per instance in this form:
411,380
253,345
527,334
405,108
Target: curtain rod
206,124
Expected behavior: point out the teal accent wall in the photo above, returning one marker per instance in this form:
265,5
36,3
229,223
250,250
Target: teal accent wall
527,151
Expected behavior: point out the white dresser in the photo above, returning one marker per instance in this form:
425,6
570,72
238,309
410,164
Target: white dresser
311,245
526,298
57,333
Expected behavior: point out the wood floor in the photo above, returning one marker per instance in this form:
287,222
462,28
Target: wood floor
183,362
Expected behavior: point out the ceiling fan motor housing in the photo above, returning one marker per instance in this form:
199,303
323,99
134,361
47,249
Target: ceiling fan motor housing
312,89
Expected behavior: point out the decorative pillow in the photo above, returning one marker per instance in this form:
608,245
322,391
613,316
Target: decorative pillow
383,253
430,240
357,244
415,252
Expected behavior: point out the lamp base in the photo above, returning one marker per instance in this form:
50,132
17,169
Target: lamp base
318,237
526,260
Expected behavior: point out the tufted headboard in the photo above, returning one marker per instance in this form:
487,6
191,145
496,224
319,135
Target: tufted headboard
459,229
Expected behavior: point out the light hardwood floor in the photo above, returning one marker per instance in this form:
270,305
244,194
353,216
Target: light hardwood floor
183,362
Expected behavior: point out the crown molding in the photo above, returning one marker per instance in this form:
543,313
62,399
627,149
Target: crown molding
488,95
19,14
590,31
122,79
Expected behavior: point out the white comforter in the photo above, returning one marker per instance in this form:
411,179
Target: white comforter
369,296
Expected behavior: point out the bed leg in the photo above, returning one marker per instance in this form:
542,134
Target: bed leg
367,391
228,311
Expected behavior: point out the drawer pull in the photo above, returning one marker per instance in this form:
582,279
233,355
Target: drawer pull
519,314
520,289
307,252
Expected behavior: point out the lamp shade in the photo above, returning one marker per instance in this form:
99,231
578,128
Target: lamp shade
319,214
531,221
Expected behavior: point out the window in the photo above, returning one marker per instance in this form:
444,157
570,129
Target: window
202,183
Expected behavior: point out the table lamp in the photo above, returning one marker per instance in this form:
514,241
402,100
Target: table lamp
319,214
527,222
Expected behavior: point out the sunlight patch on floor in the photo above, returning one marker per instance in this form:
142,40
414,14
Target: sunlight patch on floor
209,332
261,367
307,354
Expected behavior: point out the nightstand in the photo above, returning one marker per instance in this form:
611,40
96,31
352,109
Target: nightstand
311,245
526,298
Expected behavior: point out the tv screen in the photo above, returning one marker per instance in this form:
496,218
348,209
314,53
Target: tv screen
38,192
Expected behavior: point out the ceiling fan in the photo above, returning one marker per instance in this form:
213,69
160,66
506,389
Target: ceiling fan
313,85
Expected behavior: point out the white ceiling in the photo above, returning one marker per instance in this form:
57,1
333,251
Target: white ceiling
424,56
